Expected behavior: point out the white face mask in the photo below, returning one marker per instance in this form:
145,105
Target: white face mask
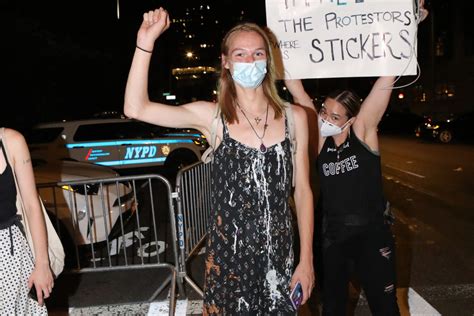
328,129
250,75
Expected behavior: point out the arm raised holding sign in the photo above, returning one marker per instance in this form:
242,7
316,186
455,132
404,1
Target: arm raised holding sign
371,112
352,201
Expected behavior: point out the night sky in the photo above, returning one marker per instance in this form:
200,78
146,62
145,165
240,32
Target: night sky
71,59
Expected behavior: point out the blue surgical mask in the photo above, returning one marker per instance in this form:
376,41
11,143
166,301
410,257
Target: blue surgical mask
250,75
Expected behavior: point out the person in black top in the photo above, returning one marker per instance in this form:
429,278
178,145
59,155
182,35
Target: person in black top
19,272
352,201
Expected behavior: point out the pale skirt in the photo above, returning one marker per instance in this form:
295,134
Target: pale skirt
14,273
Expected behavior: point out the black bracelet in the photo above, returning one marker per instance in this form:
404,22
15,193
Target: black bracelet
146,51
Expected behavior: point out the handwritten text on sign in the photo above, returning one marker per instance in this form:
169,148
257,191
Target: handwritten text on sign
344,38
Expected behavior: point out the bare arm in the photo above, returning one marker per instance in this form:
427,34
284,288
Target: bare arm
137,103
41,276
372,110
304,206
301,97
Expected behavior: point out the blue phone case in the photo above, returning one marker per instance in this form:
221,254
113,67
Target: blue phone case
296,296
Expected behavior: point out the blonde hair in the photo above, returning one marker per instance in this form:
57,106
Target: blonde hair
226,88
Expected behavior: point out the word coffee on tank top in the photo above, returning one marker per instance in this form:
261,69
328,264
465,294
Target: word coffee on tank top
345,165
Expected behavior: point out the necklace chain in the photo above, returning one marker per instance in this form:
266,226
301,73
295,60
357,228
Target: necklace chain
263,148
341,148
257,118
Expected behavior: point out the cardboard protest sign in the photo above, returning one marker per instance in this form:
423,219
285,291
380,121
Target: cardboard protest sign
344,38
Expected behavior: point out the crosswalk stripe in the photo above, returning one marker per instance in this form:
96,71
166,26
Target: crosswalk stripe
159,308
409,303
419,306
183,308
162,308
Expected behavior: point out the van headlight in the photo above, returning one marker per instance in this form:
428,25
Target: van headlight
91,189
202,142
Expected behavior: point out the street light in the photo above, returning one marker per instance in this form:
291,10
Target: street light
189,55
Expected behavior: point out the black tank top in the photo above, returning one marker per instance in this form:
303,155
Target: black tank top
7,191
351,183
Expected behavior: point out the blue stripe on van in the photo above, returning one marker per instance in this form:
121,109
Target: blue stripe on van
131,162
129,142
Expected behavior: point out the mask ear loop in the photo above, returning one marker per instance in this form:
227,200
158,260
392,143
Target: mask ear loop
418,19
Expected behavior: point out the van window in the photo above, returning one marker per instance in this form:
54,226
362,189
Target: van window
115,131
43,135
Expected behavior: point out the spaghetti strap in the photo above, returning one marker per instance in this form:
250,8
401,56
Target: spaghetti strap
3,151
225,131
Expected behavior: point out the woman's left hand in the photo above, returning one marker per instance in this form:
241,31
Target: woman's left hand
42,279
304,273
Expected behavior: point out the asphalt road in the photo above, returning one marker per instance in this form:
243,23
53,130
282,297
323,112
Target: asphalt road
430,187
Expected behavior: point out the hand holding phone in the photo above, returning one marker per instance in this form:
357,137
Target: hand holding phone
296,296
32,293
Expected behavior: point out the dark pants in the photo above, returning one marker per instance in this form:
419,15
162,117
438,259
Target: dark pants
372,254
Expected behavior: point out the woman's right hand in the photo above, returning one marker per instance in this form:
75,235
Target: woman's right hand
153,25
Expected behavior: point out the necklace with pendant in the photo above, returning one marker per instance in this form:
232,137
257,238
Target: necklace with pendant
263,148
257,118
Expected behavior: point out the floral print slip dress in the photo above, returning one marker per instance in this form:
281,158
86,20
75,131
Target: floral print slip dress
249,250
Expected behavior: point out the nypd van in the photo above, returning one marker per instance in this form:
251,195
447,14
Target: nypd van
119,143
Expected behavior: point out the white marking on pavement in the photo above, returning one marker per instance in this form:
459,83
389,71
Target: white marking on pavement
117,309
159,308
407,172
409,303
458,169
181,306
162,308
407,185
418,306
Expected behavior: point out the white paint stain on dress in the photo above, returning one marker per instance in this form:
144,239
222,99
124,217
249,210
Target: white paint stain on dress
272,282
234,247
231,194
289,263
240,302
281,158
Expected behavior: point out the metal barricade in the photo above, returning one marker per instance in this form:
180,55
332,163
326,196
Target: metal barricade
116,224
193,197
